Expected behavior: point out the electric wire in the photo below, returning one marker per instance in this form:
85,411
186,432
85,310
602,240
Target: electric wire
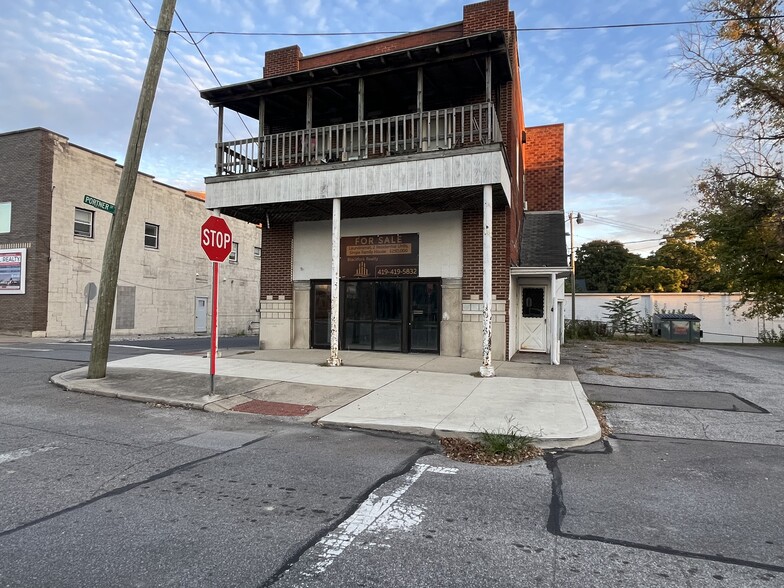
225,126
509,30
619,223
192,42
206,34
212,71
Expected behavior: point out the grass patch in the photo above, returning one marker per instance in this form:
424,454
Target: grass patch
599,409
508,446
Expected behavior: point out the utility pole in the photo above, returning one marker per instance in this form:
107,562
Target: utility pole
579,219
104,309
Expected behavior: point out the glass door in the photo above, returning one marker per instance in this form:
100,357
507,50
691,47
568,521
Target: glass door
373,315
388,320
320,305
358,305
425,315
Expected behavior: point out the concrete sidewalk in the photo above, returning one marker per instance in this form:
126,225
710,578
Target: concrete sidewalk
416,394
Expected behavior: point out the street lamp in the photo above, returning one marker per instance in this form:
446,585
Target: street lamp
572,219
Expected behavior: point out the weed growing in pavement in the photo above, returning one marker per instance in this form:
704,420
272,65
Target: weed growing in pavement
507,446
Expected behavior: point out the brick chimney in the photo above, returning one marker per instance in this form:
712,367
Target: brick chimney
282,61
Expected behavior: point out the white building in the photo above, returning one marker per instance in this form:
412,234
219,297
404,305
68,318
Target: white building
54,234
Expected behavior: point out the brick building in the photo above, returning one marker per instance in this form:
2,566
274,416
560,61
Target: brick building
52,245
406,205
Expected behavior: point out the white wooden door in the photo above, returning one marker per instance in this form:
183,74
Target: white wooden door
201,315
533,323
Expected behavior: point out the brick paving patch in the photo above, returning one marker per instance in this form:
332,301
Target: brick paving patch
274,408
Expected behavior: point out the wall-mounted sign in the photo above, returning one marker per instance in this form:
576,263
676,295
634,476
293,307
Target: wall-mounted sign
380,256
12,271
99,204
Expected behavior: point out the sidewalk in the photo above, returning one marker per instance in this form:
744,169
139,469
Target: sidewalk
408,393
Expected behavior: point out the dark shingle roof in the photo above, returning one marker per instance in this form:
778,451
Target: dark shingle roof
544,240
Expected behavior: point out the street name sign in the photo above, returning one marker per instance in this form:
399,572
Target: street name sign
99,204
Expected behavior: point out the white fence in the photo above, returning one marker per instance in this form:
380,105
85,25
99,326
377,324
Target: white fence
719,323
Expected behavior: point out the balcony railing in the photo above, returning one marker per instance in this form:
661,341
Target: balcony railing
447,128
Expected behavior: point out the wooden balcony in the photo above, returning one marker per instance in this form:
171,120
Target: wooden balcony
449,128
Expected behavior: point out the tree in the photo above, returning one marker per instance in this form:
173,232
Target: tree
601,264
745,218
696,258
651,278
621,314
739,50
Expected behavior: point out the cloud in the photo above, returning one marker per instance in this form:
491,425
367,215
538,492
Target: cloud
635,136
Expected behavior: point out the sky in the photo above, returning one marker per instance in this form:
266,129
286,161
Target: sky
637,134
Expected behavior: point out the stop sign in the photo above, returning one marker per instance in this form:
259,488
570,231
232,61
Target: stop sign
216,238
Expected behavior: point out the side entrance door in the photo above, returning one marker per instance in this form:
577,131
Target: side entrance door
201,315
533,324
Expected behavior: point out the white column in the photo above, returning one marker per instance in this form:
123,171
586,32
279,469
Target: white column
555,340
487,370
334,316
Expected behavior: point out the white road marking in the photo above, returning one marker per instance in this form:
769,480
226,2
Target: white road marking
4,348
125,346
376,513
440,470
21,453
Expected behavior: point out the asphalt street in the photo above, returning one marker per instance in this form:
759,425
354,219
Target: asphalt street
104,492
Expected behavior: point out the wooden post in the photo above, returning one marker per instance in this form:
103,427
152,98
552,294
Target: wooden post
262,116
420,90
309,124
219,147
104,309
361,99
488,79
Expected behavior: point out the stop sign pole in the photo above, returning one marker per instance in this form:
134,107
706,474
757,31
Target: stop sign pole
216,242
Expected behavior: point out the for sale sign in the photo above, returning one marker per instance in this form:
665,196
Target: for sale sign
12,271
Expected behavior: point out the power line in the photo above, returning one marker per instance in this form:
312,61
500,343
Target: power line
197,48
510,30
197,89
225,125
620,224
212,71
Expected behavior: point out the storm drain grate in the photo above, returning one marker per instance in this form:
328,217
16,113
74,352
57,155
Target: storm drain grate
274,408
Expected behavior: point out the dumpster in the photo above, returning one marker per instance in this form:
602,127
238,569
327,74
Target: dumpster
677,327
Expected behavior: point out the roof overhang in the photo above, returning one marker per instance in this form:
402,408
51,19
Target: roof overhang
491,43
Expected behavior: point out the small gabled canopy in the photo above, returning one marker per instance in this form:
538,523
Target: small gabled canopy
543,240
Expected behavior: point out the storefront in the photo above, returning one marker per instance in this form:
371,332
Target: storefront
380,315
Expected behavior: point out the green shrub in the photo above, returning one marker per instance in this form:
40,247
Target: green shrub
772,336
